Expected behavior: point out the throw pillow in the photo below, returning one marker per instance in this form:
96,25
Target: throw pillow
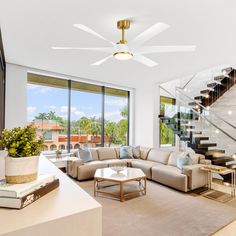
136,152
85,154
126,152
184,161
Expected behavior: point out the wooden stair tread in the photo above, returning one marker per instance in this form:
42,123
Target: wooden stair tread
203,145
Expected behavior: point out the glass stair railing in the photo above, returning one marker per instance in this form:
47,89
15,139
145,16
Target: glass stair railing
203,130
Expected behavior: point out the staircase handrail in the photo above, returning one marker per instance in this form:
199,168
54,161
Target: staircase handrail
201,115
205,109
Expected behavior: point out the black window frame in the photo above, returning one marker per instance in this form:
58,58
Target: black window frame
103,93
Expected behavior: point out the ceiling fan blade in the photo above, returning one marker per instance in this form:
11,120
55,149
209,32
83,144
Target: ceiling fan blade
101,61
90,31
108,50
160,49
144,60
149,33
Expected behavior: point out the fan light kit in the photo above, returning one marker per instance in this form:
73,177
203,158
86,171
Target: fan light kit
134,50
122,55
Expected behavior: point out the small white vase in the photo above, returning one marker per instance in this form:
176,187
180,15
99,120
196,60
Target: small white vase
21,170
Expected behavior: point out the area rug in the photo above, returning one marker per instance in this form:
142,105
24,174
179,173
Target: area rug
162,212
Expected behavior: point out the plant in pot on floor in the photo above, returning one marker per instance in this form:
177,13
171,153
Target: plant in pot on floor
23,146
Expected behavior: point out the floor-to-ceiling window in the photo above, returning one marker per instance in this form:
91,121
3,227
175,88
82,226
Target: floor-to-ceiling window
168,121
70,114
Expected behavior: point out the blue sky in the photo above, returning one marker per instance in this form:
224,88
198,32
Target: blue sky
45,99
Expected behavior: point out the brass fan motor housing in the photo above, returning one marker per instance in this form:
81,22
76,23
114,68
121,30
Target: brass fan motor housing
123,24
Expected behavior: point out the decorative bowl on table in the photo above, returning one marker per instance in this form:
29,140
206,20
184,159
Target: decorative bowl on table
118,169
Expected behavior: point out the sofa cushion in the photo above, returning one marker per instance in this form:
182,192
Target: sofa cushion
106,153
88,170
144,152
126,152
158,155
196,157
136,152
85,154
94,153
145,166
113,162
170,176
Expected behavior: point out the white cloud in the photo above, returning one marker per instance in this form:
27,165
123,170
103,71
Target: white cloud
38,88
31,109
74,111
64,109
116,102
113,116
52,107
79,113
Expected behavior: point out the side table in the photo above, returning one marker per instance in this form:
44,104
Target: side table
223,172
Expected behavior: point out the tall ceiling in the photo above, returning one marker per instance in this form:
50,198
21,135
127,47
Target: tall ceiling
31,27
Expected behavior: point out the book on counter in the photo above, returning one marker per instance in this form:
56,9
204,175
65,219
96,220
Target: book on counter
19,190
21,202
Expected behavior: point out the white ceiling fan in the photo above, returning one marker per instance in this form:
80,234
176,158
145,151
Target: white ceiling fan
123,50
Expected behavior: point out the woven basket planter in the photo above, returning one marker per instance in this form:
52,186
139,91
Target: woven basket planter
21,170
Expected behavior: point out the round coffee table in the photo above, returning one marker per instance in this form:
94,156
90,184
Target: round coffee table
122,177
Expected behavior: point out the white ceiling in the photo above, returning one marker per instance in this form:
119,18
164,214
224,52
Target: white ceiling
31,27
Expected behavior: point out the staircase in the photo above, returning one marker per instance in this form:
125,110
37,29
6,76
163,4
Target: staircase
198,126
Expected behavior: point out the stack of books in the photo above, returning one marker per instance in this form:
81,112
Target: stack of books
21,195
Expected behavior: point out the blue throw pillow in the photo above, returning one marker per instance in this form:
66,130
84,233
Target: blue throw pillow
184,161
85,154
126,152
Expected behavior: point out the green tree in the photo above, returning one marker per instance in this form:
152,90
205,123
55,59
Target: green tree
110,130
42,116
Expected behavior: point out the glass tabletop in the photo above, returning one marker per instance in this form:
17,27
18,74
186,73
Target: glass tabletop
124,175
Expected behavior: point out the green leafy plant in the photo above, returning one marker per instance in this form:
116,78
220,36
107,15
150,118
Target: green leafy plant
21,142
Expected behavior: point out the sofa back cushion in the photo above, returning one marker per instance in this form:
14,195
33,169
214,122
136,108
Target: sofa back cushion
106,153
194,156
144,152
158,155
94,153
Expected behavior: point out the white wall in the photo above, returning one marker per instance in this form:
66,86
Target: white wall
146,129
144,125
16,96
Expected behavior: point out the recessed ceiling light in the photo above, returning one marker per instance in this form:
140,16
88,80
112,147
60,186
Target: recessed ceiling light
217,131
230,112
208,107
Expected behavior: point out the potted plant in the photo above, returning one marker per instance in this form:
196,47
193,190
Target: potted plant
23,146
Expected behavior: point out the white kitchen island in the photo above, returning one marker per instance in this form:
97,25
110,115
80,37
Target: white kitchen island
66,211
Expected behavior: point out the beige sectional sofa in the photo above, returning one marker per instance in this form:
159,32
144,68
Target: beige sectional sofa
158,165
